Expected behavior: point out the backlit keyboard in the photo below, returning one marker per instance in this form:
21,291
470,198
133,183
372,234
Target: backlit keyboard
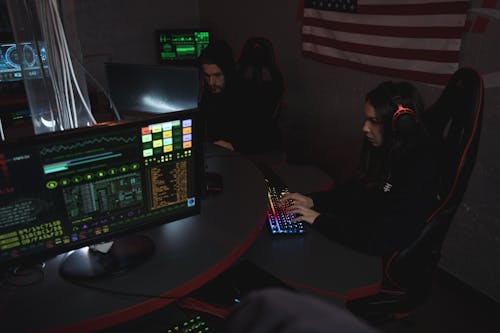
280,222
192,325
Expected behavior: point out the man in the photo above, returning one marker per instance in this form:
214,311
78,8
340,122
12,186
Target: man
218,100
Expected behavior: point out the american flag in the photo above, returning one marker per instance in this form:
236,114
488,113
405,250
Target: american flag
410,39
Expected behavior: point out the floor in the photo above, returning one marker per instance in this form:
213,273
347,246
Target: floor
453,307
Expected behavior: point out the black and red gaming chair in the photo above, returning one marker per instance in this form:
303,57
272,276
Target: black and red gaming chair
407,274
262,87
257,68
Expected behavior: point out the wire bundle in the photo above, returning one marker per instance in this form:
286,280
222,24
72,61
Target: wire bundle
61,70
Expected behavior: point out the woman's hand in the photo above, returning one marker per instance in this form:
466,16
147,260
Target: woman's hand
301,206
297,198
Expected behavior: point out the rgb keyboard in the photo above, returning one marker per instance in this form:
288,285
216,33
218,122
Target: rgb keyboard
194,325
280,222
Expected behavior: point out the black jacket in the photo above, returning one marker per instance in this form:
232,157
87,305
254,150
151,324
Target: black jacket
220,114
386,218
239,116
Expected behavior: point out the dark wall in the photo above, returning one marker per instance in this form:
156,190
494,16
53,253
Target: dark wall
324,116
123,30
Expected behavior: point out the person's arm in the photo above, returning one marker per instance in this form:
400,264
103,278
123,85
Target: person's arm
301,206
308,207
224,144
274,310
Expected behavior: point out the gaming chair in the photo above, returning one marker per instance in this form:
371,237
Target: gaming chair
257,69
407,274
262,86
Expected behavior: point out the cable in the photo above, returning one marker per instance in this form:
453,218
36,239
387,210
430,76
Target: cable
22,276
104,91
190,303
1,130
314,289
65,84
68,57
119,292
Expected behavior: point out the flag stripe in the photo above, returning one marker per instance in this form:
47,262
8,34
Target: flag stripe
400,53
440,79
409,43
399,2
423,32
421,37
415,9
402,64
446,20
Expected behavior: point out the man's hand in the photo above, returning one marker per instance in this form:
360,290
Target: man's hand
224,144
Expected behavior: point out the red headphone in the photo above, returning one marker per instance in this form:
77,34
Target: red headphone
401,111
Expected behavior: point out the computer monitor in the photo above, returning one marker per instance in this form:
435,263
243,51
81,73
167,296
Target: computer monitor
22,59
152,88
181,46
67,190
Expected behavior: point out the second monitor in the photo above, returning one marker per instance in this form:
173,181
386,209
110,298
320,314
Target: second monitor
152,88
181,46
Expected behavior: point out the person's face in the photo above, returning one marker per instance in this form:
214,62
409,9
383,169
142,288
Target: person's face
372,128
214,77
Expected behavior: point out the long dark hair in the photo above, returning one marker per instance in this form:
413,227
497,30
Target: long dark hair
375,162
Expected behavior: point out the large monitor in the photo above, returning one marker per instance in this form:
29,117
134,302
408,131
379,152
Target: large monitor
152,88
181,46
75,188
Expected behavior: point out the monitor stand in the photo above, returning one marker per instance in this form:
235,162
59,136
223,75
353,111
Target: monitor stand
125,253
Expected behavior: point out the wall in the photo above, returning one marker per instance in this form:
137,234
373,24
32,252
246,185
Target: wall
123,30
323,121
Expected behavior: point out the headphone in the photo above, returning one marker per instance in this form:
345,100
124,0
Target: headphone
404,120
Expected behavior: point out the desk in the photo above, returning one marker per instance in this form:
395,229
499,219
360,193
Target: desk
311,262
189,252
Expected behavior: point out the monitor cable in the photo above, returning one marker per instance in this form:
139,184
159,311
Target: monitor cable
314,289
82,284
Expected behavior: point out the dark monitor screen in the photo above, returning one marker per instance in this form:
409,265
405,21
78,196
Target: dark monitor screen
152,88
21,59
181,46
70,189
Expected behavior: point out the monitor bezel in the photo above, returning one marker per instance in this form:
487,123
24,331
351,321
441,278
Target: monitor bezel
177,30
48,253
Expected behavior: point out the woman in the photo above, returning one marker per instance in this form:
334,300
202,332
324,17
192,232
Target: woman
384,206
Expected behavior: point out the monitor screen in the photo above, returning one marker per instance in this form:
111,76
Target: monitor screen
27,54
66,190
152,88
181,46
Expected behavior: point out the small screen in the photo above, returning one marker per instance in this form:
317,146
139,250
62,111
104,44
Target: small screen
181,46
21,59
76,188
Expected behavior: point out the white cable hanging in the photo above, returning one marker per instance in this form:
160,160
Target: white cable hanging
61,70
